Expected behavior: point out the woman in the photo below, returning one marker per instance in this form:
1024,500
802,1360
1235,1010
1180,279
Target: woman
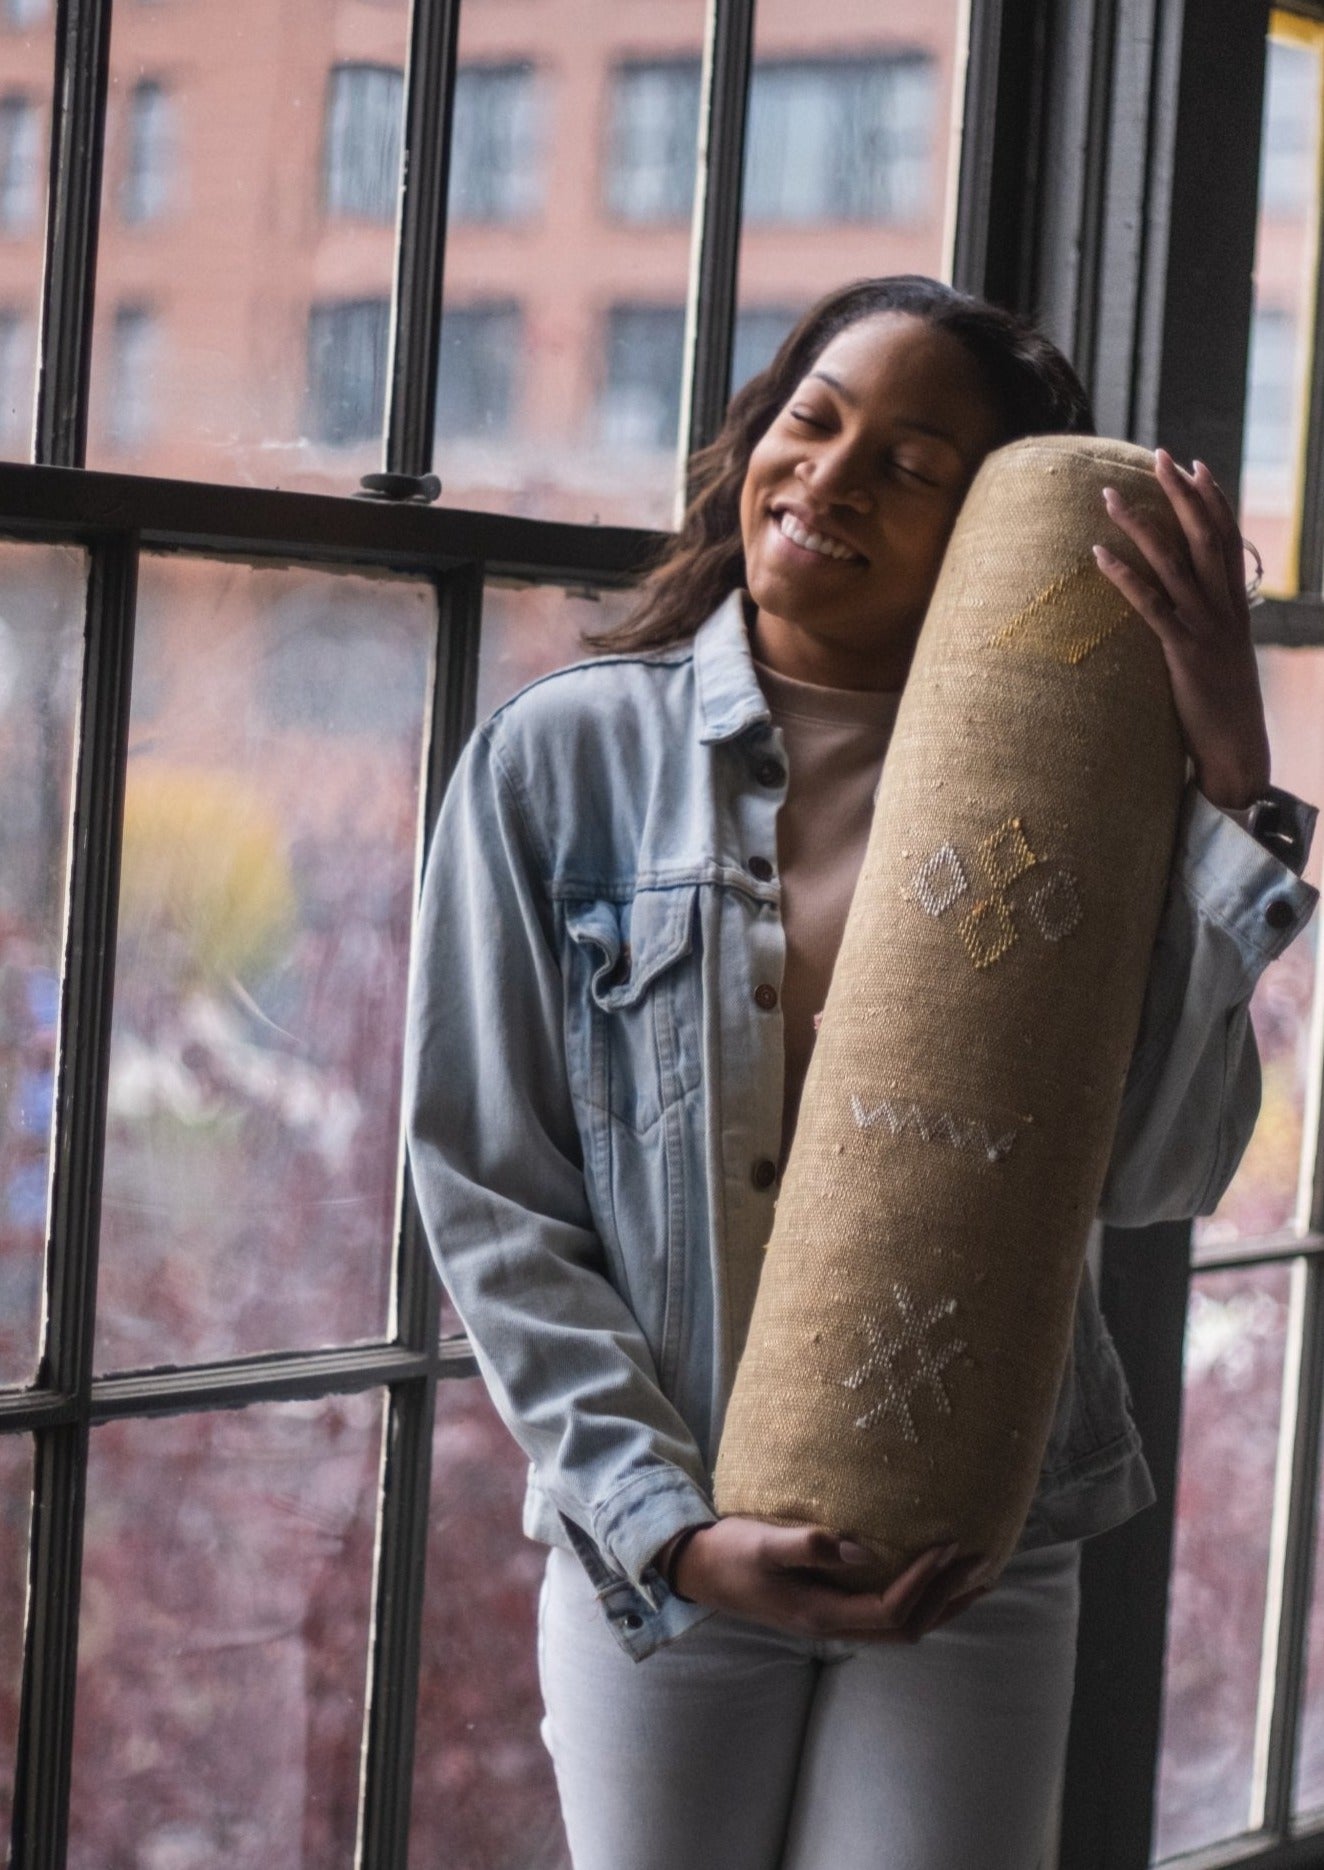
636,892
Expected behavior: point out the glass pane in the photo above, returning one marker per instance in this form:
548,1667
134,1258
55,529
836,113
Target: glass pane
847,158
41,645
1308,1791
529,632
15,1522
568,260
1236,1334
1281,326
1265,1191
227,1596
26,65
484,1795
271,827
247,250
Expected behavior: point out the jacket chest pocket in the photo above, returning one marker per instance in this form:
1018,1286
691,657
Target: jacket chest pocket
633,1013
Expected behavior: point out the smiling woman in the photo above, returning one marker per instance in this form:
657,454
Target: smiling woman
648,864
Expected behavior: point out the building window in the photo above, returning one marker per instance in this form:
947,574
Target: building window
759,330
494,155
150,153
653,140
347,349
480,348
1271,392
841,139
134,363
361,152
20,137
640,403
15,379
24,12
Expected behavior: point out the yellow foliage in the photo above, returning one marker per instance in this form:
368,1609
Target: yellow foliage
203,861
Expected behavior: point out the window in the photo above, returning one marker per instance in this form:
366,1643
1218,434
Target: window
759,330
134,361
841,139
641,392
361,156
653,140
24,12
347,347
150,153
1291,107
20,134
1271,393
494,158
476,384
15,378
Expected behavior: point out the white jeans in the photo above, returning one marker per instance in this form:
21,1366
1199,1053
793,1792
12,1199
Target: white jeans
735,1748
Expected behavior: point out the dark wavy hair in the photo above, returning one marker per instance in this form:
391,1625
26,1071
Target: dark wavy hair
1029,380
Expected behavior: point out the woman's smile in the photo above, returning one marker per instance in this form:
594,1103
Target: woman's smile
807,533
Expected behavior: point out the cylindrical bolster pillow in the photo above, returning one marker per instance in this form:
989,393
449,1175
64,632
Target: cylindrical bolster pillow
914,1314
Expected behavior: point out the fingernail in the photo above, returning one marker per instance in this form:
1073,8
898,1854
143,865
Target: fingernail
851,1554
1100,552
948,1553
1109,495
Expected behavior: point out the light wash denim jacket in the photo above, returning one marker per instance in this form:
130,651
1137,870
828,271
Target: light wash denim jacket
593,1093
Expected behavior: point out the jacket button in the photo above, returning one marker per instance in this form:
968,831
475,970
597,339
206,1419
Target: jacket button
1278,912
765,1173
770,772
766,997
760,869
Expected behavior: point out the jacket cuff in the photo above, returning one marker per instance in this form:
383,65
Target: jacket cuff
633,1523
1236,883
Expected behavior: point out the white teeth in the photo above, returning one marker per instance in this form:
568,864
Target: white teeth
812,541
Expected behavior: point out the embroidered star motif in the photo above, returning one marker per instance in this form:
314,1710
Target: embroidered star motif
905,1361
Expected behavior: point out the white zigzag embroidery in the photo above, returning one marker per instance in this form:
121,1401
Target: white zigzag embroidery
887,1348
934,1127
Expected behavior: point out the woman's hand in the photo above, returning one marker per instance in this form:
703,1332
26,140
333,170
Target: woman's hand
806,1581
1196,605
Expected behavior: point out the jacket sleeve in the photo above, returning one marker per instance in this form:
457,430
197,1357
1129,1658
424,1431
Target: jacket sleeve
1192,1092
495,1157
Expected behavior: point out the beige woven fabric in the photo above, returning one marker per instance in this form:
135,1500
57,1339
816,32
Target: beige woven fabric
914,1313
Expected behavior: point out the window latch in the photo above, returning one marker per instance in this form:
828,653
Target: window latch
423,489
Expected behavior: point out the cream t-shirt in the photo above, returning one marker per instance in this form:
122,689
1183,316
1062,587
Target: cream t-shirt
836,740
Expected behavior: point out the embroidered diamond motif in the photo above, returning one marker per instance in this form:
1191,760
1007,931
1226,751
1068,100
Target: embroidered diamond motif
907,1361
939,880
1006,853
1056,906
988,931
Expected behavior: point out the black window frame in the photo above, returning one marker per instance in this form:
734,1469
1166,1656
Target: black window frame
1108,237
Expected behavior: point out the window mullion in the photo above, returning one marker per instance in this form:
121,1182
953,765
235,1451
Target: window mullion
429,114
455,687
82,62
45,1745
729,51
388,1753
1287,1614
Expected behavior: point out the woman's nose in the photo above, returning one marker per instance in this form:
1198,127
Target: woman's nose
835,475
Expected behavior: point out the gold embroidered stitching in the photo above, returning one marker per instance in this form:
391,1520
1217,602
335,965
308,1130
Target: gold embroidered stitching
1066,649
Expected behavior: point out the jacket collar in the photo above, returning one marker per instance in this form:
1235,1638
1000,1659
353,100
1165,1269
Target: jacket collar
730,699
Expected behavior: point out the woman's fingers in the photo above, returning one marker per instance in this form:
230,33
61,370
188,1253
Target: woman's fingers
1154,605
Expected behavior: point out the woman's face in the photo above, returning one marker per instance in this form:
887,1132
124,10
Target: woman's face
850,496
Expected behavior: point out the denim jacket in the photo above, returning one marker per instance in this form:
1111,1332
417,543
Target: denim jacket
594,1096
